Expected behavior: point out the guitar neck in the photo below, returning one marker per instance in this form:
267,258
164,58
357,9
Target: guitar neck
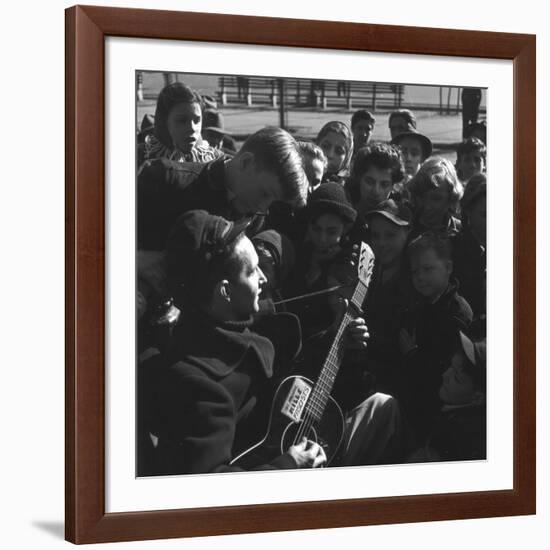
325,382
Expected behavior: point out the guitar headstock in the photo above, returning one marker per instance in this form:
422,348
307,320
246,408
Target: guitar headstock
365,264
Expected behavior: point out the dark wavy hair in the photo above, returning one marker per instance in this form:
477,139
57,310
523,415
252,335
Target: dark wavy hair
470,145
381,155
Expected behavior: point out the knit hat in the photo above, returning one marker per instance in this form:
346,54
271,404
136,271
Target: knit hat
330,198
397,213
425,141
281,249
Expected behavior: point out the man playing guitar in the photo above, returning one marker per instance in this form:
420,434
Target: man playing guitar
217,371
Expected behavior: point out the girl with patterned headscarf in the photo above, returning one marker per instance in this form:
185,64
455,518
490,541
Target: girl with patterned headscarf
336,141
178,124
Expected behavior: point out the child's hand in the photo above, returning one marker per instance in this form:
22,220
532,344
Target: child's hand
357,334
407,341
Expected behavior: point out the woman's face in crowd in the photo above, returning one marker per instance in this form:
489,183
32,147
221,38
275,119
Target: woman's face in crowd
314,170
388,240
434,206
411,150
477,220
430,274
325,233
375,186
184,124
334,147
457,386
245,289
470,164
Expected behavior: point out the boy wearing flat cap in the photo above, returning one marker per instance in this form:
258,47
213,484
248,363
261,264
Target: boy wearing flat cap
217,368
391,293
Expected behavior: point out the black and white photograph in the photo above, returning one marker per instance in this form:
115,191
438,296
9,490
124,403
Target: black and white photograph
311,273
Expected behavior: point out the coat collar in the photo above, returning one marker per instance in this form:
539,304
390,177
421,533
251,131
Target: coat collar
221,348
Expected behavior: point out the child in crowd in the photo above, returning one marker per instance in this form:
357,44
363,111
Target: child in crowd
336,141
362,126
435,193
377,169
470,159
460,431
390,292
415,148
470,250
178,124
276,257
402,120
426,340
329,216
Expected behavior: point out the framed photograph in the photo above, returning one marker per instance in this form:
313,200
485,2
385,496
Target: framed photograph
248,74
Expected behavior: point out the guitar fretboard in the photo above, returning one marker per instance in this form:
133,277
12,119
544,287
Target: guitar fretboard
323,387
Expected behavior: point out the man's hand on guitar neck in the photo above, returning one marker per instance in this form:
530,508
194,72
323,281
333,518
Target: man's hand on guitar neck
357,334
308,454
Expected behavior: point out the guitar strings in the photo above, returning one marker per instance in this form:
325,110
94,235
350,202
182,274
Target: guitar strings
316,400
315,404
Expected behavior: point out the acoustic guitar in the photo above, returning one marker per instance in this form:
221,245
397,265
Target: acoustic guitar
301,407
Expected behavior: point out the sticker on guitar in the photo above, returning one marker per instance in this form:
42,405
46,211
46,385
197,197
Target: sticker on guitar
296,400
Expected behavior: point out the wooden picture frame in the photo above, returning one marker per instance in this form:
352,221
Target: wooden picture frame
86,30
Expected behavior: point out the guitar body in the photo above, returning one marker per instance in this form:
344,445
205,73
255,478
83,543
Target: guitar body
289,420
